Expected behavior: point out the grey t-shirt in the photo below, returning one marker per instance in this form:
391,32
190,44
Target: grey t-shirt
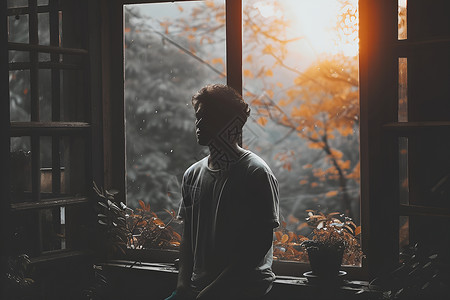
219,206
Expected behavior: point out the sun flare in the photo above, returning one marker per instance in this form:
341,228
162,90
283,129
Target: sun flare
328,26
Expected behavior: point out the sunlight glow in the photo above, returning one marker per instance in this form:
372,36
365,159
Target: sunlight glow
329,26
268,10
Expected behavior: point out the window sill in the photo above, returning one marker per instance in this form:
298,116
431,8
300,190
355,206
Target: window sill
285,287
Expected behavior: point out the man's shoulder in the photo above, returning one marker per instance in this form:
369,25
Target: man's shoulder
195,168
255,164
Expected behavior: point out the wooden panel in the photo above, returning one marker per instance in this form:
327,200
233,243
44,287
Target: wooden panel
48,128
378,104
416,210
44,65
46,49
48,203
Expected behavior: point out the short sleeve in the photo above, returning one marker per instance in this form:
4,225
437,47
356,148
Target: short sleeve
263,194
185,202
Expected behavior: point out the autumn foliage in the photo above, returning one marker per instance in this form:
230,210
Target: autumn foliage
136,229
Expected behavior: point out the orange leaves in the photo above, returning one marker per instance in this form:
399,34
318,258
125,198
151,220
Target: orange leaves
249,58
25,91
303,182
127,29
268,49
298,80
269,93
262,121
165,25
248,73
331,194
269,73
143,206
284,238
358,230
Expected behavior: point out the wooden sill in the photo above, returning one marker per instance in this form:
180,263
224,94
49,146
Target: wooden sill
283,285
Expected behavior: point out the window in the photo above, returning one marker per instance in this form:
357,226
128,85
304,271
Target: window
49,136
173,49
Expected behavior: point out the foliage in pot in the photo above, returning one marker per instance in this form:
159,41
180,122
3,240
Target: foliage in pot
334,241
125,228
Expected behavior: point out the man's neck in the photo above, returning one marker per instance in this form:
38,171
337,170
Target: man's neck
222,155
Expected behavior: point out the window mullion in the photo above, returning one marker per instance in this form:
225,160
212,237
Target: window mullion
234,44
56,106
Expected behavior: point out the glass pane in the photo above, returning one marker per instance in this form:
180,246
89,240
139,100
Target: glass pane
300,67
17,3
42,2
45,95
73,93
44,56
46,167
44,28
18,29
18,56
402,89
429,175
403,170
402,20
403,234
164,66
53,231
73,166
20,169
25,232
430,232
19,95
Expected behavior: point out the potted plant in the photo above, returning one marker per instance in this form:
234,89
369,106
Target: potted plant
334,240
126,229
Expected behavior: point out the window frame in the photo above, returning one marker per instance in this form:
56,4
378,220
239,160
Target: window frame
378,77
54,129
116,159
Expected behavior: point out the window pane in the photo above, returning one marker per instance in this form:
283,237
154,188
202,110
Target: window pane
17,3
20,169
45,95
164,66
52,229
429,175
18,29
402,20
73,93
18,56
44,28
403,234
301,78
403,170
402,89
19,95
73,166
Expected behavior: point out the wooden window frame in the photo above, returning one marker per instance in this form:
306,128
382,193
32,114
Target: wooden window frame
114,110
379,129
55,129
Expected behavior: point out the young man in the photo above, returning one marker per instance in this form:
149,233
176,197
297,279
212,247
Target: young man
229,207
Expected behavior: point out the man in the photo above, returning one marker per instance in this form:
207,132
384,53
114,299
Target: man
229,207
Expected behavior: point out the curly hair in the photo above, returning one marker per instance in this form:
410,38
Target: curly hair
223,98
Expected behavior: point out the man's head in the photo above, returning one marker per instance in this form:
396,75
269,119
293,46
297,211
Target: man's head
220,113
